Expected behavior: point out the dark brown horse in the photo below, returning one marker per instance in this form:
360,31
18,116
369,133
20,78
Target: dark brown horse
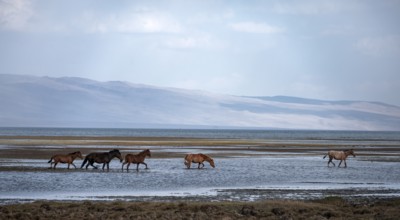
103,158
339,155
136,159
69,158
198,158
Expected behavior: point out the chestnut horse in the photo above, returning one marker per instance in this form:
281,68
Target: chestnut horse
136,159
61,158
198,158
339,155
103,158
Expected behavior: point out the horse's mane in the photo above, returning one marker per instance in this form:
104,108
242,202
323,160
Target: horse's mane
143,152
206,156
74,153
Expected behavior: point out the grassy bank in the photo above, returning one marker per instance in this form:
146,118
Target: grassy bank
328,208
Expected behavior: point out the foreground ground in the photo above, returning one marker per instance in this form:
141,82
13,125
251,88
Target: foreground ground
328,208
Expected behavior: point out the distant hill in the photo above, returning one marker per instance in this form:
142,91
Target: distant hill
79,102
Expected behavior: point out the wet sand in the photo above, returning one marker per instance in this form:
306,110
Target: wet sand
341,205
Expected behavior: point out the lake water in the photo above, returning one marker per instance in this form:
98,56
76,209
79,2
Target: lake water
244,178
208,133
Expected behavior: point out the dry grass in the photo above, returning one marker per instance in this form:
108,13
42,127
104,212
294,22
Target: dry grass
330,208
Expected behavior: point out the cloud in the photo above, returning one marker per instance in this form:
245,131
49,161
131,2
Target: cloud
257,28
313,7
219,84
15,14
378,46
137,22
195,41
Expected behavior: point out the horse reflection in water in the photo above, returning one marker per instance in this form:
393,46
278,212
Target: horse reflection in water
68,158
339,155
103,158
136,159
198,158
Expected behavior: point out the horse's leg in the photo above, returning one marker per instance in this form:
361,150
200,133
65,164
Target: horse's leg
73,165
127,166
340,162
90,162
104,164
330,161
137,167
68,166
345,165
123,164
189,164
108,166
55,164
145,164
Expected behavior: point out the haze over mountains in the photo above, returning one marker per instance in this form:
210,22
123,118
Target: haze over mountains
78,102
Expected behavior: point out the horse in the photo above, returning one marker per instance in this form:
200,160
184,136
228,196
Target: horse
60,158
198,158
104,158
339,155
136,159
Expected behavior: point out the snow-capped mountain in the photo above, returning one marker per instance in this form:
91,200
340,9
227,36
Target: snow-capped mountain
79,102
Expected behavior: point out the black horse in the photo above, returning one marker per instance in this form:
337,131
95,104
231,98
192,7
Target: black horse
103,158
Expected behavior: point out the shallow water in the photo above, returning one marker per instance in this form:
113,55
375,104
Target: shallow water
241,178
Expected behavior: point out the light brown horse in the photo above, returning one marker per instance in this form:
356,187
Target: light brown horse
69,158
198,158
136,159
339,155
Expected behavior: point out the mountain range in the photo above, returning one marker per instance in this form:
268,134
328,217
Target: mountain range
32,101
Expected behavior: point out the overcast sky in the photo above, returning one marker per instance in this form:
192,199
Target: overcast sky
335,50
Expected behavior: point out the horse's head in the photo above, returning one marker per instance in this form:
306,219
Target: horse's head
211,161
351,152
79,154
117,154
148,153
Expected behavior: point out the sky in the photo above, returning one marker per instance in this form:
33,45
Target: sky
322,49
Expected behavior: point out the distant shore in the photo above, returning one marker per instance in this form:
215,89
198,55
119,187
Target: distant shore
42,147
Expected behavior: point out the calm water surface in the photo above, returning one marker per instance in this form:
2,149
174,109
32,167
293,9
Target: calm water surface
208,133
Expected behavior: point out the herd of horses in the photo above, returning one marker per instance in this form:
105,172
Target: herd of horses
106,157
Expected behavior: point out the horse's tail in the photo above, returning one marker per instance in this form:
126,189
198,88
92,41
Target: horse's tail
84,162
50,160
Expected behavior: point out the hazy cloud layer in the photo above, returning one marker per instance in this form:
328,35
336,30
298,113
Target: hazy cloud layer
312,48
